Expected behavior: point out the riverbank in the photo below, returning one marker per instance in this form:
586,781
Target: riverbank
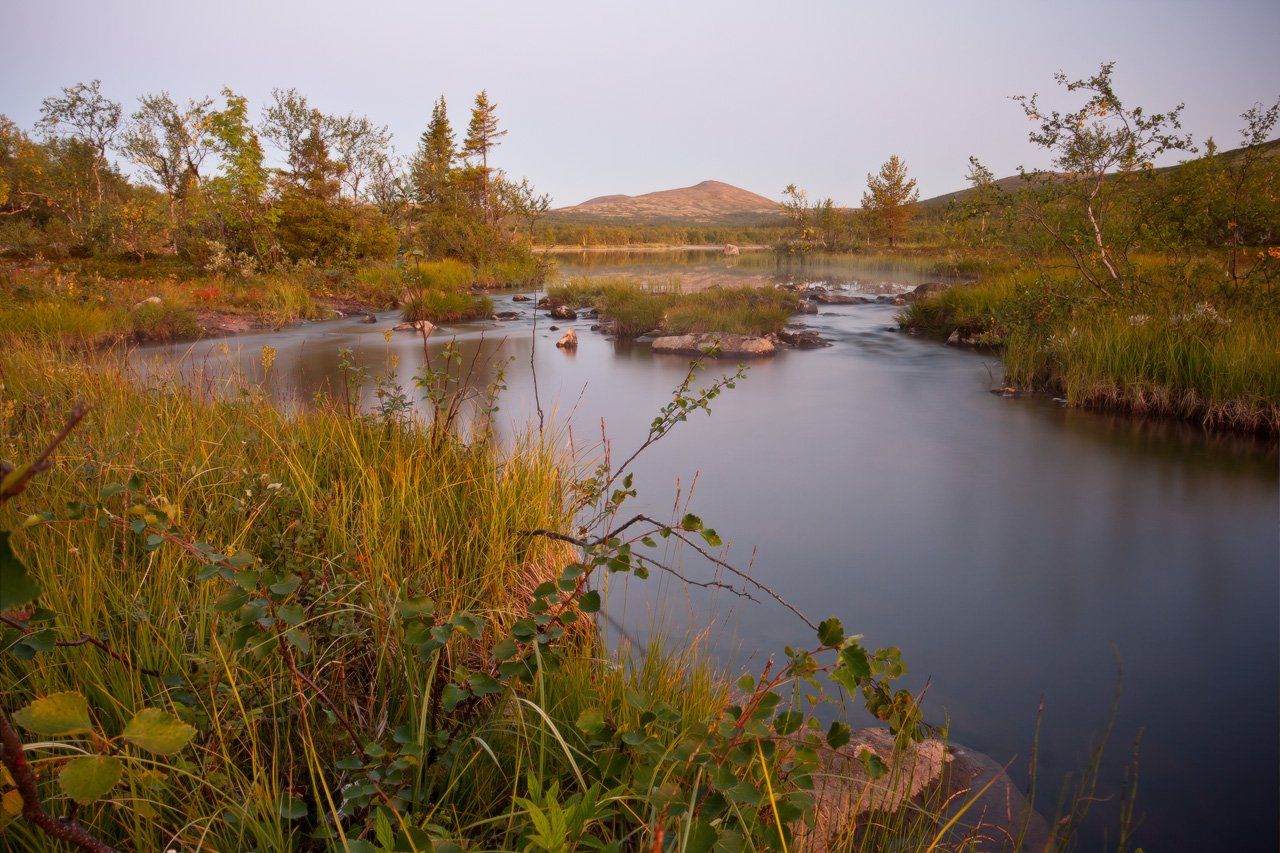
1171,353
641,248
97,303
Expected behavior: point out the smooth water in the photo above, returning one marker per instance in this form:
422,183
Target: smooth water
1014,549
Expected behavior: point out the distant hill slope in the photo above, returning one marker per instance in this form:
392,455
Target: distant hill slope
1014,182
709,201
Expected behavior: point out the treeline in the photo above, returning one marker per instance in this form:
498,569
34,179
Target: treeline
193,179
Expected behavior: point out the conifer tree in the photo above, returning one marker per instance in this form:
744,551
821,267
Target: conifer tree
434,162
889,197
482,136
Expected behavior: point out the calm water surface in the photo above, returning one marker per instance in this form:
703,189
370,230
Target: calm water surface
1013,548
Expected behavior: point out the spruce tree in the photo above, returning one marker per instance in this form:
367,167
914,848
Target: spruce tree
482,135
433,165
889,197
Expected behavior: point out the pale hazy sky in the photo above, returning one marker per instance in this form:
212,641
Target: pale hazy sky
604,97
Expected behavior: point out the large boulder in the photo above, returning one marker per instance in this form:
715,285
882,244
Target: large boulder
569,340
423,326
802,338
727,345
519,297
941,776
563,312
840,299
925,289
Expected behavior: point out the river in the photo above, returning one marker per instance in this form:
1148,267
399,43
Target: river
1013,548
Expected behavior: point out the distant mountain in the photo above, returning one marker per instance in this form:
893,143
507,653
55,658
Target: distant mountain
709,201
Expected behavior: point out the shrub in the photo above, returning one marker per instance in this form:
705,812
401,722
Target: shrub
440,306
163,321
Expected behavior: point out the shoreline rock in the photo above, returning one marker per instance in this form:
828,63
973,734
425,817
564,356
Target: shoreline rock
414,326
729,345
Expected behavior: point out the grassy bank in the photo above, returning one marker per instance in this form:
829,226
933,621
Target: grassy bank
638,308
100,301
1178,350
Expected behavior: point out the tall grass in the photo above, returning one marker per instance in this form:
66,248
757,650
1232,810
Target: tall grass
638,308
1181,350
395,516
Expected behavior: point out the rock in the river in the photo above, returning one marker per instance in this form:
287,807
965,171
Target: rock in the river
807,306
922,290
844,789
729,345
424,326
840,299
563,312
802,338
569,340
730,249
368,318
507,315
959,339
519,297
150,300
554,328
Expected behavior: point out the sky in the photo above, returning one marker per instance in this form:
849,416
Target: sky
605,97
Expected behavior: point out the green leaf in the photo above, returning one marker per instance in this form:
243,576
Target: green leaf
712,538
420,606
158,731
746,683
292,808
299,638
286,586
231,600
591,721
17,587
590,602
855,658
830,632
838,735
872,763
89,777
787,722
291,614
451,696
56,714
691,523
504,649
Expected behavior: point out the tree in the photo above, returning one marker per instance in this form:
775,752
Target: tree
240,191
433,164
169,143
82,113
482,137
888,199
1100,151
359,146
982,197
286,123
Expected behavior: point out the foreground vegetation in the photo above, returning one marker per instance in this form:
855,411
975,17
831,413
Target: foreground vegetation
225,629
350,637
